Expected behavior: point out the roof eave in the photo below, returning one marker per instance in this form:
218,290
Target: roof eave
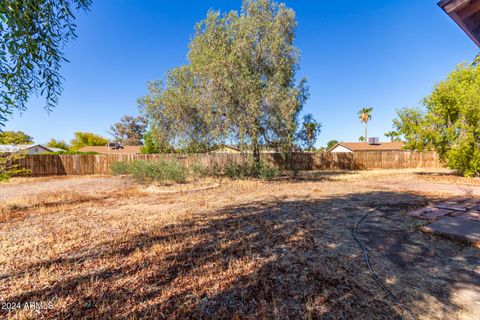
452,12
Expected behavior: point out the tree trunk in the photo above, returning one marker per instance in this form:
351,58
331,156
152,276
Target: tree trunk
366,131
256,156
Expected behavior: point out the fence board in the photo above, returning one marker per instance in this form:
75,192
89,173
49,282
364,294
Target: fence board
45,165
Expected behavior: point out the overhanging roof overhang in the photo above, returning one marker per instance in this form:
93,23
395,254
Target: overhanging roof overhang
466,13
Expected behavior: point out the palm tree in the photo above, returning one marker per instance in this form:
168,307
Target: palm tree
365,115
393,135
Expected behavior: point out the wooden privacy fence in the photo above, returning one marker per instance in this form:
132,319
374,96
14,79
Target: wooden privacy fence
46,165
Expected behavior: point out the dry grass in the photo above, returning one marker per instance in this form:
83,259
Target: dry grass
451,178
243,250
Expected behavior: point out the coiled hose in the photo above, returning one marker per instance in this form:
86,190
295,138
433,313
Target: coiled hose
372,272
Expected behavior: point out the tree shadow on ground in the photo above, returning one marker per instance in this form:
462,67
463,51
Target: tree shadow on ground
282,259
313,176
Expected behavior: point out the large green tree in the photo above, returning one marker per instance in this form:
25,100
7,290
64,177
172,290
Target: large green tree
248,62
240,82
449,121
83,139
15,137
33,34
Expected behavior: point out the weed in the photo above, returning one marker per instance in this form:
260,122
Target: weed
159,171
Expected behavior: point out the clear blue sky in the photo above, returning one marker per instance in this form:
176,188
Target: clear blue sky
355,53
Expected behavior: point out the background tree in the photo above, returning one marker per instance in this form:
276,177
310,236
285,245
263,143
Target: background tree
365,115
15,137
83,139
331,144
449,122
361,139
155,145
394,136
309,132
130,130
160,135
33,35
53,143
409,123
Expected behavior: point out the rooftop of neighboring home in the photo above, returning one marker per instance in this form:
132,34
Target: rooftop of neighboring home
10,148
365,146
37,148
119,149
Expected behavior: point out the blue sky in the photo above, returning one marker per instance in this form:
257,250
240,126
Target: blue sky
355,53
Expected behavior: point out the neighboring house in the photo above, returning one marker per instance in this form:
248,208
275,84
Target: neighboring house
235,149
465,13
227,149
112,149
27,148
365,146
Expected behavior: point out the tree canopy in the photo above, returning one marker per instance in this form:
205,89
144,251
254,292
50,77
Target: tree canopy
309,132
449,121
331,144
393,135
53,143
239,85
129,130
33,34
83,139
15,137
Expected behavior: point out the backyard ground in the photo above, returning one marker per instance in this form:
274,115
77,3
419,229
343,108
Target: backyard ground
103,247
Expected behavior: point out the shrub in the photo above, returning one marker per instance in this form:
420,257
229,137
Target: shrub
199,171
71,152
152,171
261,171
172,170
268,172
9,166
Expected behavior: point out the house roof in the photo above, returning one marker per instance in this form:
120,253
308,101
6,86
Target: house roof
364,146
106,150
465,13
228,146
12,148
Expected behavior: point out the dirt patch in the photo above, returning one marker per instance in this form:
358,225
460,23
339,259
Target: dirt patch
29,187
245,250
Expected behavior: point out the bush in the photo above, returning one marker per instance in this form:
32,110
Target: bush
172,171
199,171
464,159
261,171
152,171
70,152
268,172
9,166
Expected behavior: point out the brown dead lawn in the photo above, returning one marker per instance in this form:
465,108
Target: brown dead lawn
229,250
